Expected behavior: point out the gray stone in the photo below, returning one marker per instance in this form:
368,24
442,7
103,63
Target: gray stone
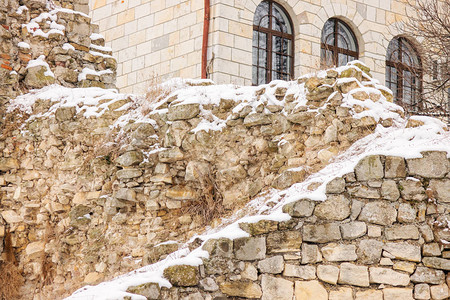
303,272
273,265
434,164
149,290
303,118
337,252
379,212
183,111
301,208
397,294
406,213
128,173
310,254
328,273
389,190
369,168
369,251
284,241
257,119
323,233
403,251
196,170
432,249
427,233
288,178
422,291
171,155
402,232
353,230
439,292
395,167
353,275
336,186
37,77
362,191
336,207
356,209
65,113
130,158
412,189
274,288
222,247
427,275
437,263
388,276
441,189
250,248
209,284
249,272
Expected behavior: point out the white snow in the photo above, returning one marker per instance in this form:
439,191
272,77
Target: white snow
21,9
86,71
40,61
23,45
96,36
67,47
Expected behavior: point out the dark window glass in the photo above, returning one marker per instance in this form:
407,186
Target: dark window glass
403,73
273,44
338,43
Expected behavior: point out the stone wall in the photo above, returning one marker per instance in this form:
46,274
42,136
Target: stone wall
382,233
164,37
42,43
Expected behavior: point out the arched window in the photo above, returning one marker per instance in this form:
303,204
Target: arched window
403,73
273,43
338,44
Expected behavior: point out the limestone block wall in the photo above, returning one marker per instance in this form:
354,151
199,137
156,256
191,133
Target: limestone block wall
382,233
164,37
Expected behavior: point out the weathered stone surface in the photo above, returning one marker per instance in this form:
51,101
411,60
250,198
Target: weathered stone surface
38,77
11,216
310,254
432,249
182,275
321,233
404,266
339,252
65,113
241,288
128,173
362,191
369,168
130,158
336,207
328,273
336,186
412,189
402,232
196,170
406,213
149,290
183,111
125,194
288,178
395,167
284,241
93,278
170,155
434,164
428,275
303,272
343,293
397,294
301,208
439,292
260,227
441,189
80,215
353,275
310,290
250,248
437,263
273,265
155,253
389,190
249,272
181,193
8,163
403,251
369,251
388,276
222,247
379,212
369,295
303,118
209,284
353,230
35,249
422,291
257,119
274,288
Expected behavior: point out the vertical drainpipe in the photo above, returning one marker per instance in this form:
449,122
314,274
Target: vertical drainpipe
205,39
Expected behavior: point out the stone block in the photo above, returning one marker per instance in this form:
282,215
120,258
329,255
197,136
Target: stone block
339,252
310,254
379,212
422,291
353,230
171,155
336,186
405,266
397,294
272,265
395,167
412,189
369,295
403,251
181,193
284,241
402,232
303,272
362,191
182,275
389,190
439,292
260,227
241,288
130,158
257,119
433,164
441,189
369,251
336,207
322,233
432,249
274,288
387,276
369,168
301,208
183,111
437,263
222,247
251,248
406,213
353,275
428,275
328,273
149,290
343,293
310,290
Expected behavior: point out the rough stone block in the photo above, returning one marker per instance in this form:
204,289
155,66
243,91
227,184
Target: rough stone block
369,295
395,167
183,111
353,230
388,276
441,189
321,233
353,275
369,251
422,291
379,212
328,273
403,251
303,272
310,290
389,190
241,288
439,292
397,294
273,265
182,275
310,254
336,207
434,164
339,252
274,288
250,248
301,208
369,168
437,263
402,232
284,241
428,275
343,293
412,189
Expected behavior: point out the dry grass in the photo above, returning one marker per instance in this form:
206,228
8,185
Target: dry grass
11,279
155,92
12,121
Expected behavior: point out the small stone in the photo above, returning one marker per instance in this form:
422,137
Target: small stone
362,191
439,292
403,251
130,158
221,247
402,232
126,194
412,189
369,168
284,241
183,111
303,272
384,261
373,231
209,284
128,173
249,272
181,193
241,288
328,273
288,178
422,291
389,190
323,233
388,276
310,290
301,208
35,250
369,251
379,212
274,288
343,293
437,263
93,278
170,155
310,254
432,249
397,294
353,230
369,295
427,233
251,248
353,275
441,189
11,216
404,266
336,186
149,290
406,213
182,275
339,252
336,207
257,119
260,227
395,167
434,164
273,265
428,275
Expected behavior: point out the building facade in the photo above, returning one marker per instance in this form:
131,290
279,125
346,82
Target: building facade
253,41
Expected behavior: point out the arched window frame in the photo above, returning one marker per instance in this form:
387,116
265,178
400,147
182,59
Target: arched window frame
396,68
335,49
260,46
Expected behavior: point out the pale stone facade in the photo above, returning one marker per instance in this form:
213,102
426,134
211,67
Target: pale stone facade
164,37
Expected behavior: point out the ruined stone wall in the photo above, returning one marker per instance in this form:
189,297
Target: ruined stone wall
45,42
382,233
